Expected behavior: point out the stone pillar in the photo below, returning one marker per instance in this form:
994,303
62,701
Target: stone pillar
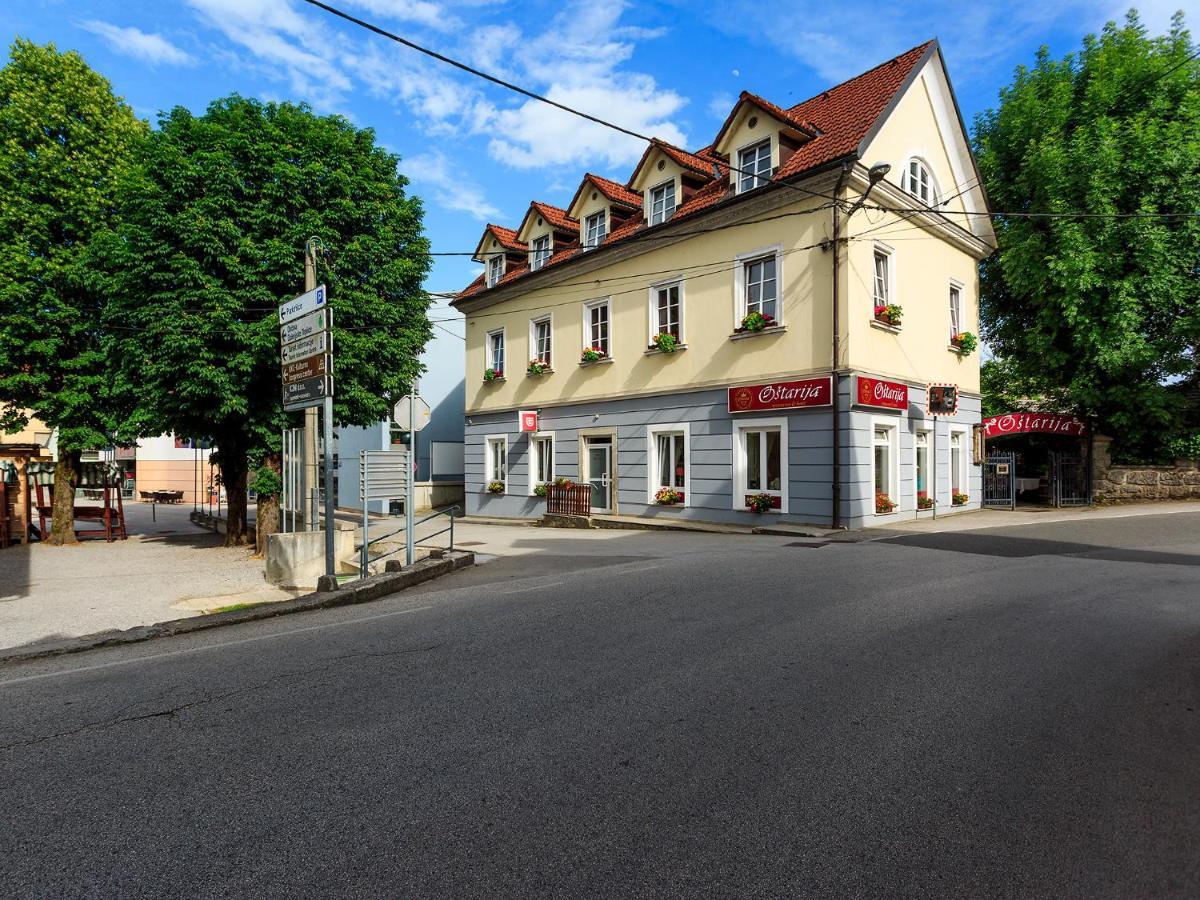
1101,462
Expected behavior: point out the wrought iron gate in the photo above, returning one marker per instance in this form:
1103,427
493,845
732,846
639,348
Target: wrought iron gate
1000,480
1070,480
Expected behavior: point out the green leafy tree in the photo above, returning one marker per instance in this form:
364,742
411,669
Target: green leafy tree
215,216
1105,306
64,141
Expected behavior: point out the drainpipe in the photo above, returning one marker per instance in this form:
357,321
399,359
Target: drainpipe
837,340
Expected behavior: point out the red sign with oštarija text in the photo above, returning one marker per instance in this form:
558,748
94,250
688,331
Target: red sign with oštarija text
781,395
877,392
1033,422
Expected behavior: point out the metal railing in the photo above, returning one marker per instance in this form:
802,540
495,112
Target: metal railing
365,558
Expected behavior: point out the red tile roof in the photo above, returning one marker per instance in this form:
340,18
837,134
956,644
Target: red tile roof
842,117
615,192
783,115
557,218
506,237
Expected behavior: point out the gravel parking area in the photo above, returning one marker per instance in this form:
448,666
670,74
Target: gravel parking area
167,569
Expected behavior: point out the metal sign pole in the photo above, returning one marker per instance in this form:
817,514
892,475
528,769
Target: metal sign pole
935,467
364,465
409,499
329,499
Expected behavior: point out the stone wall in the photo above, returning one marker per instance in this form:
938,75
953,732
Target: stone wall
1114,483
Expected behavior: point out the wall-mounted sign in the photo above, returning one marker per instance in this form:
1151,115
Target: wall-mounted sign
310,367
877,392
1034,422
942,400
781,395
527,420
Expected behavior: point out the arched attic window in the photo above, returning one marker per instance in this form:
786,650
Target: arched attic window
918,181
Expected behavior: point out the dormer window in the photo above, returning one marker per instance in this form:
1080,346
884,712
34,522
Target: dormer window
754,164
594,230
495,269
662,202
919,182
541,252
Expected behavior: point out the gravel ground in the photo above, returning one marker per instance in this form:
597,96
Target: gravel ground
167,569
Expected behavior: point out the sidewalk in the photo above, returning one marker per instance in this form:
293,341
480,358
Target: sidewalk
1034,515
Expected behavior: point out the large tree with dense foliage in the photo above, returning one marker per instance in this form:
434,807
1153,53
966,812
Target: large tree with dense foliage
1105,306
64,141
214,219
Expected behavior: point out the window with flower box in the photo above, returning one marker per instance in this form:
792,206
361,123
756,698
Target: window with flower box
668,465
495,353
760,461
541,459
540,331
956,317
884,477
596,316
958,462
757,279
666,310
497,460
923,482
884,276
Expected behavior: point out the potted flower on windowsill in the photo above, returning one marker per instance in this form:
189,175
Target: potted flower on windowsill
537,367
592,355
755,322
964,342
664,342
760,503
959,499
668,497
924,501
541,489
492,374
889,314
495,487
884,503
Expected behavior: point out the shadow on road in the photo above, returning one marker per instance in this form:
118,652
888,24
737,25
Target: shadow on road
1019,547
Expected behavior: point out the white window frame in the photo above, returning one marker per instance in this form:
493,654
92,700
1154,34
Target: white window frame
740,490
956,310
964,460
652,460
540,255
494,277
535,458
666,215
889,253
490,443
590,241
893,427
931,182
489,361
548,319
757,180
587,324
921,431
652,306
739,282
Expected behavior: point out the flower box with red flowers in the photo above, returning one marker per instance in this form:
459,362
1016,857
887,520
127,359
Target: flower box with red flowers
761,503
884,503
591,355
755,321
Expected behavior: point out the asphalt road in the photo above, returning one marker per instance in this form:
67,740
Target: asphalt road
967,714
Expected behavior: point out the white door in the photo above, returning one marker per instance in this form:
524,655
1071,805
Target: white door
599,467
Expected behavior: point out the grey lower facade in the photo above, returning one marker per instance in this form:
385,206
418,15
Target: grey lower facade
899,451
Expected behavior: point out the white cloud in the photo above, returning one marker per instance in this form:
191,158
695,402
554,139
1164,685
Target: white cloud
450,189
420,12
720,105
152,48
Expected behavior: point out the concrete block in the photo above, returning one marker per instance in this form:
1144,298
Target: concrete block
298,559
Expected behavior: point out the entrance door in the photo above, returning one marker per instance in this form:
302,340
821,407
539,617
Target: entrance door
599,468
1069,480
999,480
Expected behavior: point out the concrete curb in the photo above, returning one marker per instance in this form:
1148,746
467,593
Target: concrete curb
361,591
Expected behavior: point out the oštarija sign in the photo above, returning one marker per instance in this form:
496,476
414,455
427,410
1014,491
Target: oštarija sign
781,395
877,392
1039,423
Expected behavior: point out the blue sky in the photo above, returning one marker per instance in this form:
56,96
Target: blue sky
477,153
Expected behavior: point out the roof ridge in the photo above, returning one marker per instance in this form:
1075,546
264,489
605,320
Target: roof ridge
852,78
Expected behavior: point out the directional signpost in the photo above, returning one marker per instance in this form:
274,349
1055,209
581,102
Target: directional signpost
306,363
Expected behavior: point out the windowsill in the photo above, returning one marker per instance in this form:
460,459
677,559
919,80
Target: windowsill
496,380
656,505
598,362
654,351
892,512
741,335
539,374
956,350
884,326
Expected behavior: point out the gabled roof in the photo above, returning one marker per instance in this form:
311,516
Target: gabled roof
842,120
617,193
505,237
793,121
553,216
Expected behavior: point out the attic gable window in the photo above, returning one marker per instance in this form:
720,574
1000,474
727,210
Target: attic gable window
495,269
594,230
541,252
755,165
662,202
919,182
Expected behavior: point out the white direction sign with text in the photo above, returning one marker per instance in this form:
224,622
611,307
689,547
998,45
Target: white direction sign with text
305,326
401,413
308,346
302,305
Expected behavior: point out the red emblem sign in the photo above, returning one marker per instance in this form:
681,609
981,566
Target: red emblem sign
1033,422
877,392
781,395
527,420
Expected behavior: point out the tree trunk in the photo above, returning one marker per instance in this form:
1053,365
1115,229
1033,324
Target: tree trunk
66,473
233,477
267,518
